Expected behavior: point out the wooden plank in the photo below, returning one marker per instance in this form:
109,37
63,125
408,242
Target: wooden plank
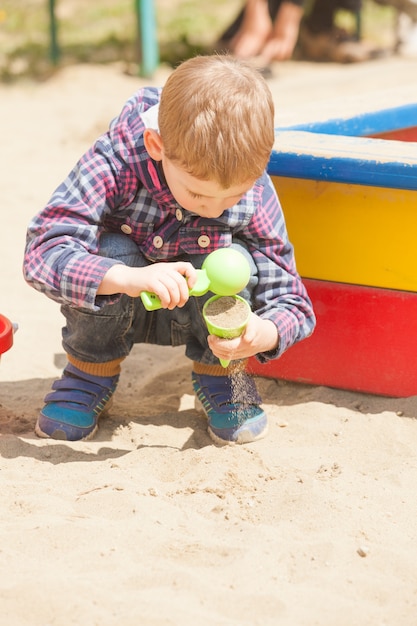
365,340
367,123
344,159
349,233
402,134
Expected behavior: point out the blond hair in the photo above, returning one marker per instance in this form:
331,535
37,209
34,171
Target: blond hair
216,119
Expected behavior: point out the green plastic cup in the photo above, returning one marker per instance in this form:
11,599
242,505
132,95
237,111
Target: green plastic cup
226,317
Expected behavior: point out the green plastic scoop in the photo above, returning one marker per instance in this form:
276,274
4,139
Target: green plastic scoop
225,272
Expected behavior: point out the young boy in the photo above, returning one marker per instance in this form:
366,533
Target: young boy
180,173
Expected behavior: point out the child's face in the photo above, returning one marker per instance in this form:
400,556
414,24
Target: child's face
203,197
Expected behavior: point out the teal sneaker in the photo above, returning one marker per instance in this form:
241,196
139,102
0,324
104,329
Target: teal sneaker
231,404
73,408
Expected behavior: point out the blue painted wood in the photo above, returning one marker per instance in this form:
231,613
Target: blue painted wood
344,159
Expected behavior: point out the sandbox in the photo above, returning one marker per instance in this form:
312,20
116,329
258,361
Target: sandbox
348,187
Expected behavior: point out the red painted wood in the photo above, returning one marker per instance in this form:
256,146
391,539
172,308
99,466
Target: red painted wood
403,134
365,340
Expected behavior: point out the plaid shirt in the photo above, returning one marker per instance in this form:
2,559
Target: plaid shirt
116,187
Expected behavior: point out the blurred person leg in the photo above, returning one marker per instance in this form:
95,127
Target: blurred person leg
248,32
321,40
266,29
246,36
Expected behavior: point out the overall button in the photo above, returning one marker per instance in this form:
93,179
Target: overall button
158,242
203,241
125,228
178,214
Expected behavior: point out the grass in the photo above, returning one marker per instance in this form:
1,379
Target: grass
104,31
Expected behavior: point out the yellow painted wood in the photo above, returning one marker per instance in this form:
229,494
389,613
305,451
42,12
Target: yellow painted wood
352,233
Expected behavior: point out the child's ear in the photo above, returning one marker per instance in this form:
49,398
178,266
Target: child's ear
153,144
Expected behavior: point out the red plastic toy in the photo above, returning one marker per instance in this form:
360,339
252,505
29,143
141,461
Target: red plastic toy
6,334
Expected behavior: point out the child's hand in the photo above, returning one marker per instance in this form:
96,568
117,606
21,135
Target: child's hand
166,280
259,336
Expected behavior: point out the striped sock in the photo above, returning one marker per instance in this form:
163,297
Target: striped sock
109,368
218,370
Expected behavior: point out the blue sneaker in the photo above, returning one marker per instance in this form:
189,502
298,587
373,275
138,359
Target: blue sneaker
231,404
74,406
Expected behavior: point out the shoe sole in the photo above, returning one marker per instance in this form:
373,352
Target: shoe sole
244,436
60,435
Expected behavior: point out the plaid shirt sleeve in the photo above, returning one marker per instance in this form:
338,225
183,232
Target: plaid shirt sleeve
280,295
62,240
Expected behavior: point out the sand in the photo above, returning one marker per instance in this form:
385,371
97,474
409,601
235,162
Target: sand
151,523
